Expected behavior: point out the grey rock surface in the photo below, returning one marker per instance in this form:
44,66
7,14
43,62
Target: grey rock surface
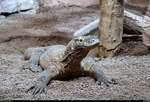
16,5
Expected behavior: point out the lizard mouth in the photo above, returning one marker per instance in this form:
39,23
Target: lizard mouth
92,43
87,41
89,45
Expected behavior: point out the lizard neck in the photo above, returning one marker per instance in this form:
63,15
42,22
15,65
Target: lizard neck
74,56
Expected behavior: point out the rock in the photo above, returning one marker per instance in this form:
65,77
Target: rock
2,17
10,6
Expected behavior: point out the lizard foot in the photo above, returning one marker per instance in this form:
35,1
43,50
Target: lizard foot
107,82
113,81
39,88
26,65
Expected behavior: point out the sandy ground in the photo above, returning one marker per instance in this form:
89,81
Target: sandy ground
130,67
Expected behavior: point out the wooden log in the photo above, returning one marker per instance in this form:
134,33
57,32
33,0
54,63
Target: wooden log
89,28
136,22
129,37
139,23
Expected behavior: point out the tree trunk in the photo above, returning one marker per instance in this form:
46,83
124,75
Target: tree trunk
111,27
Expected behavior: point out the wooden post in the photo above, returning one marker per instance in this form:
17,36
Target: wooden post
111,27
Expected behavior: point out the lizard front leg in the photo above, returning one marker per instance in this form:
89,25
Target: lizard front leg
92,69
100,76
44,79
33,62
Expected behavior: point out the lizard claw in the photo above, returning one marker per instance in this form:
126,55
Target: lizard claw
25,65
113,81
38,89
98,82
107,82
35,68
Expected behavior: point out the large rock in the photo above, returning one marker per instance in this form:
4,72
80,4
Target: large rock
10,6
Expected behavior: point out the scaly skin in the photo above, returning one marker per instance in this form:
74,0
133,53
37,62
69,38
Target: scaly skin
63,62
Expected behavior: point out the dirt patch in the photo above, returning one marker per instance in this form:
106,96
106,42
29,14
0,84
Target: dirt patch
131,67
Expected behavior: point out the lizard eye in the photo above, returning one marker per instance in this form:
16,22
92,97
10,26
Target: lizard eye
80,40
93,40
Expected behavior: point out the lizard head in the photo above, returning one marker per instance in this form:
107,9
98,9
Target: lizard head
79,47
82,42
89,41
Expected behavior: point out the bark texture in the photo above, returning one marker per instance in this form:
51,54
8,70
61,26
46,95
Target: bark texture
111,26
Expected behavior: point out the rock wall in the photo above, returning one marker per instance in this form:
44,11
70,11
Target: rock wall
16,5
10,6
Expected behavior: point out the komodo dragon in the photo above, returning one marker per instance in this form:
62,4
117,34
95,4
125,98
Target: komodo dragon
63,62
